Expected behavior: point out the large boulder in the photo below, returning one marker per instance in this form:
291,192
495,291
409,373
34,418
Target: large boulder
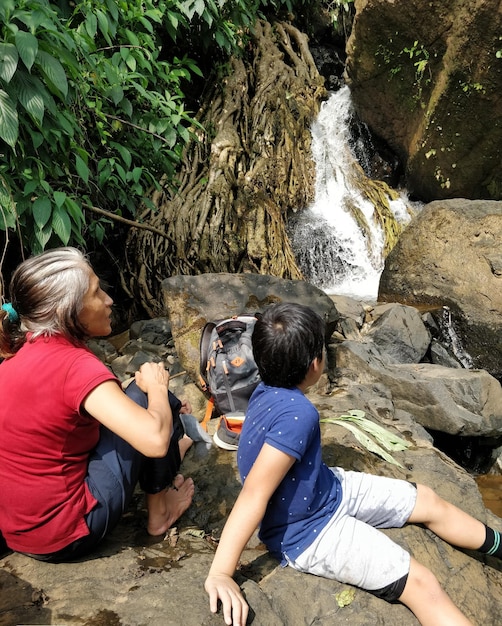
191,301
449,400
134,579
425,77
449,255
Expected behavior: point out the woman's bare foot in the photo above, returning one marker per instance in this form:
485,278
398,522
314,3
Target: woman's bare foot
185,443
167,506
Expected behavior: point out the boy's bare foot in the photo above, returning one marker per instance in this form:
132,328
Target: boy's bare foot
166,507
184,444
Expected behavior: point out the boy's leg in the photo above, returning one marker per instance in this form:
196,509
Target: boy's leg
448,521
350,549
431,605
354,551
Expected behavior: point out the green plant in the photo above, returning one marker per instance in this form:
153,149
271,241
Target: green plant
92,105
338,9
89,114
468,87
381,441
420,57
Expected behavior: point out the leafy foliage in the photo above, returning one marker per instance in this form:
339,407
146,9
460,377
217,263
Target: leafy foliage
92,105
381,441
89,113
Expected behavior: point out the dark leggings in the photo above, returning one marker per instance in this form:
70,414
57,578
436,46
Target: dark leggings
115,468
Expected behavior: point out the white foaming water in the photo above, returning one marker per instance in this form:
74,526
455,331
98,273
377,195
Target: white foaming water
334,252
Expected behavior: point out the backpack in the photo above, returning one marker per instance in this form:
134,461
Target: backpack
228,372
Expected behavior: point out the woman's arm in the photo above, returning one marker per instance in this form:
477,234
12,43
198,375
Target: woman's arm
265,476
148,430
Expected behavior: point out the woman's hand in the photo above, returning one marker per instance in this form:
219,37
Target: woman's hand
223,587
186,407
152,375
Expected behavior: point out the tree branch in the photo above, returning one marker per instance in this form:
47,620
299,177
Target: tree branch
124,220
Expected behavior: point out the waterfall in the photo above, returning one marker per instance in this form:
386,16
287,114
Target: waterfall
451,338
338,241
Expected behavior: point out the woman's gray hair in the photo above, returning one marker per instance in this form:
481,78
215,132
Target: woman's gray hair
47,292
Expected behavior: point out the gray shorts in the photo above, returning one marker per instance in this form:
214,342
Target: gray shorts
350,549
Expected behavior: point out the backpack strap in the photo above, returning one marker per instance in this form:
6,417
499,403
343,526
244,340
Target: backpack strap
231,324
203,349
208,414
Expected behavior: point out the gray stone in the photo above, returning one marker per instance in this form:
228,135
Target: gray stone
455,401
442,258
400,335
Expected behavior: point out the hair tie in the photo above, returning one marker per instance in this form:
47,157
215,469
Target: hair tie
11,312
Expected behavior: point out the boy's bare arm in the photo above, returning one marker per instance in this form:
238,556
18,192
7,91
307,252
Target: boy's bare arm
267,473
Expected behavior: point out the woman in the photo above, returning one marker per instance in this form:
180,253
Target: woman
73,445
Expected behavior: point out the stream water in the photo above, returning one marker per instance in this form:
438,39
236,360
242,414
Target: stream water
334,252
490,487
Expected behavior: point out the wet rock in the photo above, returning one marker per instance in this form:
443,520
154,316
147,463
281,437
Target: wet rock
134,579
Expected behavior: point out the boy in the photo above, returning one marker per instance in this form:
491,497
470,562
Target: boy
323,520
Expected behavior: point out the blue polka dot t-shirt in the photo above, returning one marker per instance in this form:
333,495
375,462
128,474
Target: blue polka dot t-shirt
309,493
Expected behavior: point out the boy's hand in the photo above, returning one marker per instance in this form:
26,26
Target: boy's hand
224,588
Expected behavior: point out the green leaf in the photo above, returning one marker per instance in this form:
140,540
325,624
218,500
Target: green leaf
103,25
116,94
356,423
59,198
126,106
37,139
74,211
368,443
42,210
30,187
9,123
132,38
124,153
111,5
27,46
173,19
61,225
8,61
345,597
91,24
148,25
30,93
131,63
53,71
389,440
200,6
6,8
136,174
7,207
121,172
42,236
82,169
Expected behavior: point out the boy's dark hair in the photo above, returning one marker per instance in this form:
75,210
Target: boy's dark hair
287,337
